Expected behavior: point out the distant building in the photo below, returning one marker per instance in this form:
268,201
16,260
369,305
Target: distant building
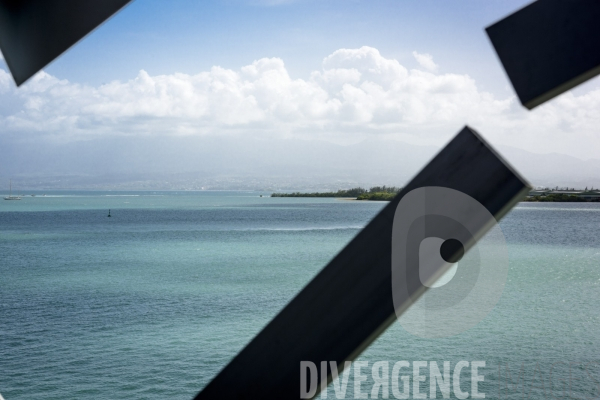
567,192
539,192
590,194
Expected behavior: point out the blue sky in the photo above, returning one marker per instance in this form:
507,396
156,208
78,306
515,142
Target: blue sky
335,70
164,37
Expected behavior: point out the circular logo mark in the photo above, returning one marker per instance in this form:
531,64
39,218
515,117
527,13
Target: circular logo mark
447,249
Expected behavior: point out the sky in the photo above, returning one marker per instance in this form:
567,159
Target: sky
339,71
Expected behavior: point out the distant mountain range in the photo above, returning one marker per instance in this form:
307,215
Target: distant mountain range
247,163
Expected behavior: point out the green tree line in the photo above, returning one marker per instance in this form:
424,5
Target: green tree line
556,198
374,193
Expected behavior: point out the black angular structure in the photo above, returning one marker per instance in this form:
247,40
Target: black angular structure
349,303
35,32
549,47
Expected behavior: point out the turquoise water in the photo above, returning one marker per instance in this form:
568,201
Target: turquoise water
154,301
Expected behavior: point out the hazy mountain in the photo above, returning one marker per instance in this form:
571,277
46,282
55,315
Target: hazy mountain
248,163
554,169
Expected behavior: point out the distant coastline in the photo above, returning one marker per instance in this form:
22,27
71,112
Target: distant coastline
387,193
566,195
379,193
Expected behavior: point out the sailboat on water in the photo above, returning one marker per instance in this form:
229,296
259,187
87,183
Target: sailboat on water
10,196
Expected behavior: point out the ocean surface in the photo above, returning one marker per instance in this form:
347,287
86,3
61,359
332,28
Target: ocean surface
152,302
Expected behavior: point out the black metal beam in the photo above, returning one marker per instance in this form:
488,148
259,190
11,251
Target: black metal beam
549,47
349,303
35,32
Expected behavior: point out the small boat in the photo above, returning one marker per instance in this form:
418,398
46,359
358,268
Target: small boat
108,214
10,196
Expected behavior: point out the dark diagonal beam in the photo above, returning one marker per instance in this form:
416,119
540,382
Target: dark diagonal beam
349,303
549,47
35,32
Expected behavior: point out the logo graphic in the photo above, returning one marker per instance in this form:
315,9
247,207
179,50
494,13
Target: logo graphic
447,247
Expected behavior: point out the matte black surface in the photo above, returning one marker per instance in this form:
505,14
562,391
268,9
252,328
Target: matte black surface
349,303
549,47
452,250
35,32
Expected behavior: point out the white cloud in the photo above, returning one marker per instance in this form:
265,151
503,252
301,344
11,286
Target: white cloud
426,61
357,93
5,81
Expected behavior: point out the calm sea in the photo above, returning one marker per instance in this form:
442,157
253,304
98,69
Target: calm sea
152,302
